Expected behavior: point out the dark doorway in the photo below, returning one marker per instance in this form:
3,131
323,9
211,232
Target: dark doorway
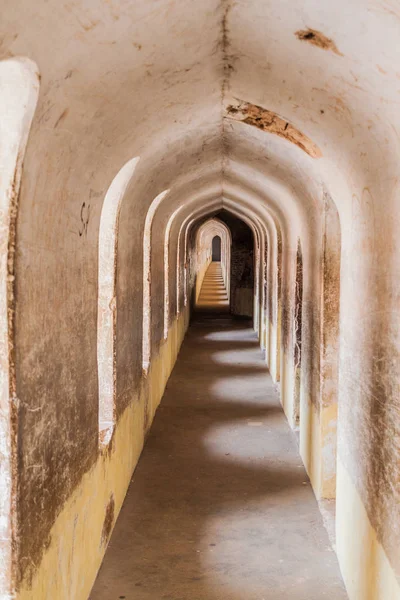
216,249
242,265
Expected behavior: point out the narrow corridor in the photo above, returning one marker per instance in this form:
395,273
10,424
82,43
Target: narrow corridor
213,293
220,507
140,140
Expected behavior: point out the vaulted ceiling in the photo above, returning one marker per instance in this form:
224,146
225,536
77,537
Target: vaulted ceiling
213,94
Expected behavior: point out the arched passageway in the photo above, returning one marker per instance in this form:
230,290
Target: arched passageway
272,126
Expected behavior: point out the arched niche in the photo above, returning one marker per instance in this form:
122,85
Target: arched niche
107,301
19,90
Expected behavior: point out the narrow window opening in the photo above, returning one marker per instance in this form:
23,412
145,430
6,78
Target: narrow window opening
185,266
146,351
166,271
216,249
107,301
179,285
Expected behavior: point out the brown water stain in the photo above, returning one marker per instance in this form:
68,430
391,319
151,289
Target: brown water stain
316,38
269,121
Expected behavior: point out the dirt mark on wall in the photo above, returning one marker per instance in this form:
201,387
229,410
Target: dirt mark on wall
85,217
316,38
61,118
108,521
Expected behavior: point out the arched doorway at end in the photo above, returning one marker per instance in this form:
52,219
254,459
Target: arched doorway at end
216,249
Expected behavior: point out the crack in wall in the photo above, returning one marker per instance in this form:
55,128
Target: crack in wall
227,68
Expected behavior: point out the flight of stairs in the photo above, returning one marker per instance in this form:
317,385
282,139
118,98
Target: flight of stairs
213,295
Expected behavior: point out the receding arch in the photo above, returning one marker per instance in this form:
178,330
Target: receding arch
269,226
19,90
254,225
184,232
265,220
253,222
242,277
107,301
209,210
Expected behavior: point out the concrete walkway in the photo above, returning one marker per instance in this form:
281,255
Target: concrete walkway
220,507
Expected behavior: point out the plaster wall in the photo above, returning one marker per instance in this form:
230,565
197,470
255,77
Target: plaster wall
80,534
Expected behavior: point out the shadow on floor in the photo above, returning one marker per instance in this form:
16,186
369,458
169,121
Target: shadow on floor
220,507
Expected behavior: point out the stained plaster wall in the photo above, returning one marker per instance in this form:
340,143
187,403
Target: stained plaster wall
19,88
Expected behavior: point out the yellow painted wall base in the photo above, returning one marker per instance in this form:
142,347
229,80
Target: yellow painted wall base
287,387
365,567
310,443
70,564
318,447
366,570
200,277
271,353
328,429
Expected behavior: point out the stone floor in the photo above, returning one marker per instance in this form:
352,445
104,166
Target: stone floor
220,507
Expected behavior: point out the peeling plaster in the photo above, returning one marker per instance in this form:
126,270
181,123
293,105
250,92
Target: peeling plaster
316,38
270,122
